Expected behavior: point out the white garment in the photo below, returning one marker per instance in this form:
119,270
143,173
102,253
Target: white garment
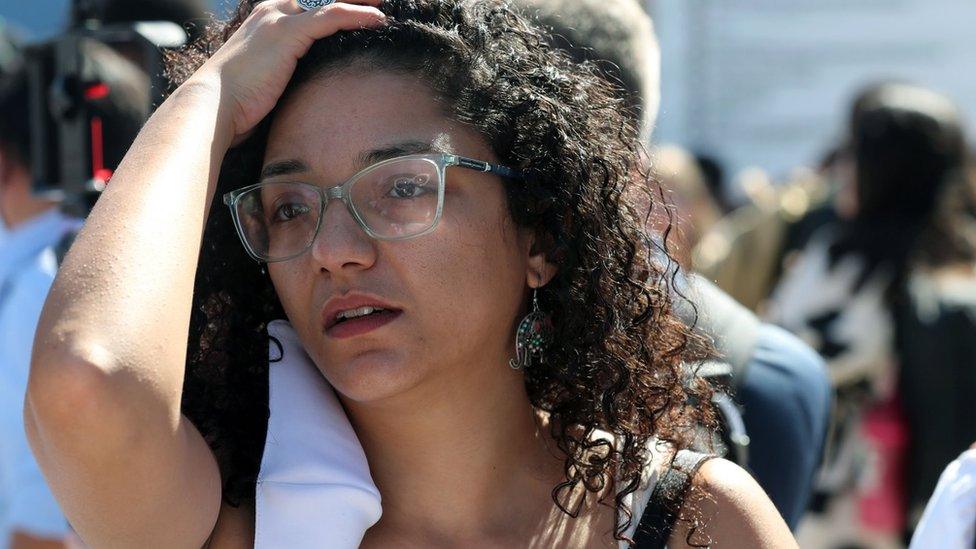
949,521
638,500
818,302
27,269
314,488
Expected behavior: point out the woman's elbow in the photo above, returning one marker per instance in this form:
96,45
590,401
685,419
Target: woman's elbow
67,393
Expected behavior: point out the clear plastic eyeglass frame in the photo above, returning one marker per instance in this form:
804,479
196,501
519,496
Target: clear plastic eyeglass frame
442,161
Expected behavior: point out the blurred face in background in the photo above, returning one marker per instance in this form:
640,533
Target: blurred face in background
12,180
694,209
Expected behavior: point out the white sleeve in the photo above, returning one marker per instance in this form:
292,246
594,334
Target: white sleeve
949,521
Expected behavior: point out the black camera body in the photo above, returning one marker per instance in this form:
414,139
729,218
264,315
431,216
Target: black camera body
79,126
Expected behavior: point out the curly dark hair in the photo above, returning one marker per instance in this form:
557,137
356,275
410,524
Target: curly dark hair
617,360
916,194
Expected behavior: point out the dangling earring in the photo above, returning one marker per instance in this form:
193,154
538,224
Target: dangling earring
532,337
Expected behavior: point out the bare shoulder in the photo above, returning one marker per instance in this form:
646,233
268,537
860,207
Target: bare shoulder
733,511
234,528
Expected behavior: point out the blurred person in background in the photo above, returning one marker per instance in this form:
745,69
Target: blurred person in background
618,37
29,515
949,520
888,296
714,173
681,176
779,382
744,252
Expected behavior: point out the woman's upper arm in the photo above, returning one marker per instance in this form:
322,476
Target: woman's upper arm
160,488
734,511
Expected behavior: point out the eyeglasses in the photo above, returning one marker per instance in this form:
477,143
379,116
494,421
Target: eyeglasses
394,199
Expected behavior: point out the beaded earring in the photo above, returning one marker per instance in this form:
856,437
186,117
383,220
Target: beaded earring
532,337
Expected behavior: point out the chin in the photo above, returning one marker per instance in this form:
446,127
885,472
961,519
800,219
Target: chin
372,376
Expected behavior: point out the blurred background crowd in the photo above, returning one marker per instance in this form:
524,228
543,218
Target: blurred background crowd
814,158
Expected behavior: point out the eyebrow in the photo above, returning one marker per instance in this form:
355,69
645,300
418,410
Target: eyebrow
284,167
366,158
373,156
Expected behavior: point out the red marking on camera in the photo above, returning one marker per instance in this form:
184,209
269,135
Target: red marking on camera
97,91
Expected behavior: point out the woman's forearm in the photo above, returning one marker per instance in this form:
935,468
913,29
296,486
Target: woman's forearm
121,302
103,402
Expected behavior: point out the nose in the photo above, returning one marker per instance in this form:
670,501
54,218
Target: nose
341,244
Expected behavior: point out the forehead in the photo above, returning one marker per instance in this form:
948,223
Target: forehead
329,123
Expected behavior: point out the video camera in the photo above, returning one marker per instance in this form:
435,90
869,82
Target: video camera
91,89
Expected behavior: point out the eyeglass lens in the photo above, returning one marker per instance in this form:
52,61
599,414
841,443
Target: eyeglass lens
393,200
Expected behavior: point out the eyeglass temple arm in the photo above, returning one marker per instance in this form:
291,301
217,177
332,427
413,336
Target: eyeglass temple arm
473,164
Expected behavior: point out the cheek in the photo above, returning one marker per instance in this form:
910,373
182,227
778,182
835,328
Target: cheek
482,237
471,268
289,285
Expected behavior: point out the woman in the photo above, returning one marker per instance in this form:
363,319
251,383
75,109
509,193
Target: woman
405,293
887,295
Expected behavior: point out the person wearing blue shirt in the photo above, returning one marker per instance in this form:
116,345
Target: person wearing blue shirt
27,508
29,515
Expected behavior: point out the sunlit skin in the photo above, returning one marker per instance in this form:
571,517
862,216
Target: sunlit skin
431,394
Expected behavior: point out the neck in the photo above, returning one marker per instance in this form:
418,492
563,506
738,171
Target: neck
17,203
462,459
19,216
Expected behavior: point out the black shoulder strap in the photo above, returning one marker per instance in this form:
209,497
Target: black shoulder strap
662,509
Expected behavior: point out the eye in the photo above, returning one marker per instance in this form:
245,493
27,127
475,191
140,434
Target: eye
409,186
289,210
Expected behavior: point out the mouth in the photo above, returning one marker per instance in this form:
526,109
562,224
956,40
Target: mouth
362,324
352,315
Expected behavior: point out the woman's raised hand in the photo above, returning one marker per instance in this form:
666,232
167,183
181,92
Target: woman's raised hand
253,67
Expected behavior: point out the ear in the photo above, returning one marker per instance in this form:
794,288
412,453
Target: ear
539,270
